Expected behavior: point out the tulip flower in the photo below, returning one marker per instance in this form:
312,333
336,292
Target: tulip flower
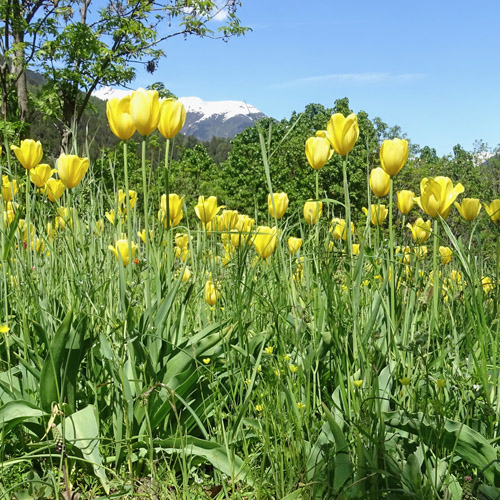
9,214
241,233
378,213
318,151
393,155
446,254
119,117
487,284
493,210
174,209
227,220
294,244
122,200
182,253
469,209
342,132
186,275
312,211
29,153
211,293
54,189
172,117
355,249
437,196
71,169
280,202
206,209
9,188
339,229
40,174
110,216
406,200
380,182
420,230
145,111
142,235
181,240
122,250
265,241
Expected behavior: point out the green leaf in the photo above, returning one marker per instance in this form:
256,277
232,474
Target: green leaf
19,410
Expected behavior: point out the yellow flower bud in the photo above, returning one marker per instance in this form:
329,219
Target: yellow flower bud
280,202
312,211
469,209
378,213
294,244
172,117
119,118
71,169
420,230
318,151
145,111
122,250
40,174
174,209
406,200
211,293
343,132
29,154
265,241
393,155
380,182
446,254
9,188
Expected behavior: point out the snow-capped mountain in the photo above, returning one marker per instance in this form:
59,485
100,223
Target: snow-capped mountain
205,119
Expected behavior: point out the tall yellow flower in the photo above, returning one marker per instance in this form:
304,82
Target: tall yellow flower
172,117
119,117
343,132
406,200
145,111
294,244
122,249
318,151
339,229
241,233
312,211
437,196
265,241
228,220
206,209
378,213
393,155
420,230
122,200
174,208
9,188
211,293
40,174
71,169
29,153
493,210
446,254
280,202
380,182
54,189
469,209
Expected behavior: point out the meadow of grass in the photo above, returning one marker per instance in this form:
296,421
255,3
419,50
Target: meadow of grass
218,359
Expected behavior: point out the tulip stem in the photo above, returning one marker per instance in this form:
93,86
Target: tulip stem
146,229
391,262
28,218
435,278
127,201
167,215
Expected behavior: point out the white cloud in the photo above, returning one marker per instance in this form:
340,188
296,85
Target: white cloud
221,15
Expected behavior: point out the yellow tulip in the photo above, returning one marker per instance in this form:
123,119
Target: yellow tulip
339,229
318,151
437,196
172,117
312,211
294,244
241,233
420,230
186,274
469,209
378,213
10,214
174,209
342,132
207,209
211,293
29,153
487,284
54,189
181,240
71,169
380,182
280,202
9,188
182,253
142,235
493,210
446,254
119,117
110,216
122,249
406,200
265,241
393,155
40,174
98,227
227,220
122,200
404,254
145,111
355,249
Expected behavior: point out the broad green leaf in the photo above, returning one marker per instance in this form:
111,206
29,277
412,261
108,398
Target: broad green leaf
19,410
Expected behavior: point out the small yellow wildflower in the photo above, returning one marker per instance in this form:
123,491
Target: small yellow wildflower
358,383
259,407
286,357
4,329
269,350
440,382
206,361
248,381
294,369
405,380
300,405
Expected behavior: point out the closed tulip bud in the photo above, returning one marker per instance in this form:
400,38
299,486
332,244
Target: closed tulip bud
355,249
172,118
493,210
294,244
380,182
378,213
71,169
119,117
342,132
122,250
181,240
54,189
420,230
318,151
186,274
206,209
241,233
174,208
211,293
280,202
437,196
265,241
227,220
29,154
393,155
446,254
406,200
469,209
122,200
9,214
9,188
312,211
40,174
339,229
145,111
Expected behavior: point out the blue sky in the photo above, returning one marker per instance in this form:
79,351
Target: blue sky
432,67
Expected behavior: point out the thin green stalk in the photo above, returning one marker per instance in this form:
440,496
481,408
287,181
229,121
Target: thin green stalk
129,212
392,276
146,229
435,278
